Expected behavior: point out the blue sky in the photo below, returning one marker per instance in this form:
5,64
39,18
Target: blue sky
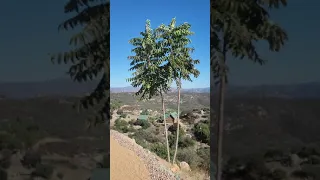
128,20
29,32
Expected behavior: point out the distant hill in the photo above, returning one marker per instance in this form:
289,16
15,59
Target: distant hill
55,87
66,87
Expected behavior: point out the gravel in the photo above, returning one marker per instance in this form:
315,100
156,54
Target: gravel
156,170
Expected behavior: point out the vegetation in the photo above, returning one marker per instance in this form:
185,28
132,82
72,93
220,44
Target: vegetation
161,57
90,57
232,32
202,132
152,79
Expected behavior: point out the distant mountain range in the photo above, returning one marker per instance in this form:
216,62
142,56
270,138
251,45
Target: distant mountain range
66,87
132,89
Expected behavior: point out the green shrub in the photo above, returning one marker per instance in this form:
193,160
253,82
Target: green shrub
143,123
202,132
160,150
190,156
204,154
123,115
121,125
120,111
146,135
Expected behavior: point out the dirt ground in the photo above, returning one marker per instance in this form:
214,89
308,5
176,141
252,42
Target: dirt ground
125,164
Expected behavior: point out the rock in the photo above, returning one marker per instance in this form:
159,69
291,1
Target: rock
175,168
184,166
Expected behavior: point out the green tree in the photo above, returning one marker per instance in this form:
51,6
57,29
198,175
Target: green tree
148,73
89,58
179,63
235,28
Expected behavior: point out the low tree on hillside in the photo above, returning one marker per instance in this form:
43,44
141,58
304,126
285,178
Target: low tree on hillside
178,61
89,58
148,75
235,28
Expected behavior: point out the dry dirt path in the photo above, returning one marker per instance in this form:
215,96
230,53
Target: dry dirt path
131,161
125,164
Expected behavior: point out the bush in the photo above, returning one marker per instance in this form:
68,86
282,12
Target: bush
143,123
31,159
121,125
172,138
160,150
145,112
123,115
173,129
146,135
120,111
190,156
204,154
202,132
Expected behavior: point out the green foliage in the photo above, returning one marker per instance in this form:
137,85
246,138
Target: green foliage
121,125
204,154
184,141
145,112
202,132
190,156
145,124
120,112
148,74
146,135
123,115
160,150
89,58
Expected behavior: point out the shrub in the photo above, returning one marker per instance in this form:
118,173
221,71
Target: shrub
202,132
204,154
173,129
143,123
123,115
120,111
185,142
160,150
146,135
121,125
145,112
190,156
172,139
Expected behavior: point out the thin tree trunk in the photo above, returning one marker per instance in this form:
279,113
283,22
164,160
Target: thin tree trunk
165,126
220,127
178,123
222,85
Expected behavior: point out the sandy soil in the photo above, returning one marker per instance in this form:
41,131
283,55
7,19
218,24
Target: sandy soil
125,164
